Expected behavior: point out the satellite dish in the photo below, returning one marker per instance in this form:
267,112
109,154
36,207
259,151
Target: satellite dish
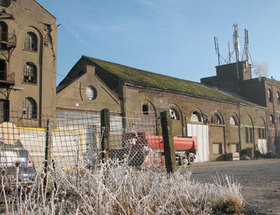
9,133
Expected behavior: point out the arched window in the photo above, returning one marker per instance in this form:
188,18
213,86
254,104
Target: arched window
29,110
278,97
30,73
261,129
147,108
271,118
3,35
31,42
3,70
196,117
5,3
233,120
249,129
174,114
91,92
216,119
270,95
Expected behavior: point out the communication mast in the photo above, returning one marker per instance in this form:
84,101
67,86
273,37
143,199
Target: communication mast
236,49
236,42
217,49
229,53
246,45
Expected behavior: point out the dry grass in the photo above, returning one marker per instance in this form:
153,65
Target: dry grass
120,189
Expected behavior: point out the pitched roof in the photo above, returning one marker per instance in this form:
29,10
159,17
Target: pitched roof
153,80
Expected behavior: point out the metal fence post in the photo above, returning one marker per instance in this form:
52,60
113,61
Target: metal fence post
105,132
169,152
47,151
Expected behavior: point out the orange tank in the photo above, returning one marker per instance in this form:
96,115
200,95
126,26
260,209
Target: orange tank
156,142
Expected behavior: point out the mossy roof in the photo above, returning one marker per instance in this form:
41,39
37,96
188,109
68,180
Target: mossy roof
153,80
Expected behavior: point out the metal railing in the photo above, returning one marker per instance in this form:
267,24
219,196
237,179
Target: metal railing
7,40
4,76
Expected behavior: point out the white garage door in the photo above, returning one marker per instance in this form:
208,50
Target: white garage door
201,132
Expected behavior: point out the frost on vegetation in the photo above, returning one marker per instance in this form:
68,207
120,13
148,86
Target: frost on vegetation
120,189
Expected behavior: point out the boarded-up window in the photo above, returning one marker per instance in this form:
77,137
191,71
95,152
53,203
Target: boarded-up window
249,134
261,133
217,148
235,147
91,92
29,109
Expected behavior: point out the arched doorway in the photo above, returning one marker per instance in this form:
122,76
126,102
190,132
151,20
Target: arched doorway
217,137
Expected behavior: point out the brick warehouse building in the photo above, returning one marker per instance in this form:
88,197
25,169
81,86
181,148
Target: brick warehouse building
262,91
223,122
27,61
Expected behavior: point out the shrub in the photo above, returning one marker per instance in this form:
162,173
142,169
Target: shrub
120,189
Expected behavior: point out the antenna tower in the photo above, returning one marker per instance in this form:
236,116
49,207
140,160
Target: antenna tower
236,42
246,45
229,53
217,49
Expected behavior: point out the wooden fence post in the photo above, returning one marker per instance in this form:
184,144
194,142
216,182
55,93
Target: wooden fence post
105,132
169,152
47,153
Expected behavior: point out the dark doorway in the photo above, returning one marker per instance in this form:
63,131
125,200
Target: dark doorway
4,110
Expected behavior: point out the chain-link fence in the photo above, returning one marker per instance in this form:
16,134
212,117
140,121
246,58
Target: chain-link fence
73,140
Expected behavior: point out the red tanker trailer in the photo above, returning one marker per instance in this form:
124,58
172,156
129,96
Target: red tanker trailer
148,149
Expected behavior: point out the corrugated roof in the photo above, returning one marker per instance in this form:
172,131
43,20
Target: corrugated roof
154,80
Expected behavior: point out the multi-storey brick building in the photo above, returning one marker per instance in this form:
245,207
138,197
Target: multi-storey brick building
237,78
28,36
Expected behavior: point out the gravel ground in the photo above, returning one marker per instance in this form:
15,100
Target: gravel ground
260,180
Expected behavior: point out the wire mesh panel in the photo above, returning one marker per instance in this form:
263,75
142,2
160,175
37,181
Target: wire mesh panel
139,145
83,128
72,141
22,147
34,140
67,149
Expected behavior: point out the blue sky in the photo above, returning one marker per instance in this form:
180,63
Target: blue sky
171,37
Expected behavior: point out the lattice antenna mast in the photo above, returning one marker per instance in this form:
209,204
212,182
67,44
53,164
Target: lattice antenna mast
246,45
236,47
229,53
217,49
236,42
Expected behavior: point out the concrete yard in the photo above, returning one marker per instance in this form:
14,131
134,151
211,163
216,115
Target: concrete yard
260,180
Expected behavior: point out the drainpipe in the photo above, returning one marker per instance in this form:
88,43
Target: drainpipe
239,128
123,105
40,86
